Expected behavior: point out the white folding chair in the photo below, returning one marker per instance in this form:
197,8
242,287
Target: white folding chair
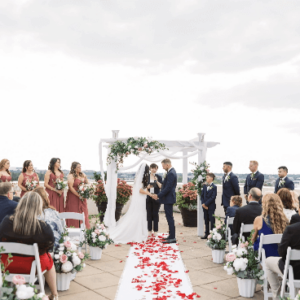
288,269
74,232
30,250
229,221
266,240
245,228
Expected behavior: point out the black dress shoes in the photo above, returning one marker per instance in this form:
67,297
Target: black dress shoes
166,238
204,237
169,241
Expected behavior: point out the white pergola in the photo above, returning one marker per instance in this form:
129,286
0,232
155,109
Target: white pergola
186,149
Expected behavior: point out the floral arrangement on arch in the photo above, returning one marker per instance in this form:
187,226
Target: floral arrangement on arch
124,191
66,258
97,236
216,239
244,263
85,191
200,172
20,290
119,150
186,197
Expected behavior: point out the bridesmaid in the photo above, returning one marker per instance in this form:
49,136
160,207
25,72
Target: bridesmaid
5,175
28,173
56,197
74,204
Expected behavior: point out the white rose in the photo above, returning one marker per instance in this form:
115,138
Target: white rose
239,264
93,234
217,237
102,238
73,247
56,256
60,253
200,178
241,251
229,271
67,238
67,267
24,292
76,261
215,230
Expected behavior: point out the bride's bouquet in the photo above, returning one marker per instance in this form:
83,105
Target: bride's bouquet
85,191
59,184
31,184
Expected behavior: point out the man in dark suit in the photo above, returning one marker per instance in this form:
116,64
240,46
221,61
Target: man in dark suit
255,179
208,200
7,205
167,196
275,265
246,214
230,185
283,181
296,217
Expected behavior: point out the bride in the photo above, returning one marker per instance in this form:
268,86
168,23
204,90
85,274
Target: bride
132,227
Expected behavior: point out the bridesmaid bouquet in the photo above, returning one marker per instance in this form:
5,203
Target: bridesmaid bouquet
31,185
59,184
85,191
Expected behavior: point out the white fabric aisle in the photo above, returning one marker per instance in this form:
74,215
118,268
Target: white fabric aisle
154,271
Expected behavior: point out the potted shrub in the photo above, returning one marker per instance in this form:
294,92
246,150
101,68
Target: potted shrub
97,238
217,242
124,191
67,262
244,263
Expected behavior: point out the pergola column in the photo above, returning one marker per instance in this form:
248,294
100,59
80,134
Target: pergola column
184,168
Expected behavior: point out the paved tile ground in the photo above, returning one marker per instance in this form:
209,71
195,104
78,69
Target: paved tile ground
99,280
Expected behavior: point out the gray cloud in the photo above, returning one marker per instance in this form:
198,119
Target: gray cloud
218,35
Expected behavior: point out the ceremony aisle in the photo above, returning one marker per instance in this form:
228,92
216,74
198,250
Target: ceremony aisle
155,270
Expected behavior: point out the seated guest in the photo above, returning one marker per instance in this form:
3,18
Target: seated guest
296,217
295,197
235,203
6,204
208,200
275,265
272,221
246,214
24,227
287,202
50,215
153,206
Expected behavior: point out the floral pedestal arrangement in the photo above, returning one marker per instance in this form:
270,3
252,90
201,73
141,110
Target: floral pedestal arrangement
95,253
63,281
216,241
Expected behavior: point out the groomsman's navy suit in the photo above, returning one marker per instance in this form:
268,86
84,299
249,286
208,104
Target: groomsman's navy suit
167,197
208,197
230,188
257,181
288,184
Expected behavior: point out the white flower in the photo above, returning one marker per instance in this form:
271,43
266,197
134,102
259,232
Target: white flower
41,295
93,234
67,238
76,261
67,267
200,178
229,271
241,251
56,256
102,238
24,292
94,240
217,236
68,253
61,248
73,247
214,230
60,253
240,264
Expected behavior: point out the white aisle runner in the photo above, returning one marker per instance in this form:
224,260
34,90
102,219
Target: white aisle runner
154,271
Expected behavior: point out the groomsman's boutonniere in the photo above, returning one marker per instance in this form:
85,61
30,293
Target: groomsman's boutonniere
252,176
210,188
227,178
282,182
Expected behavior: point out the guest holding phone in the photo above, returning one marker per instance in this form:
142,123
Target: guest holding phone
154,186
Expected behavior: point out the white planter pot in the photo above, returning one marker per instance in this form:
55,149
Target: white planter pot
218,256
246,287
95,253
73,275
63,281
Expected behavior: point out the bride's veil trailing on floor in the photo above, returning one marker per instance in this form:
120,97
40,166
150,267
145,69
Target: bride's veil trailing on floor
132,227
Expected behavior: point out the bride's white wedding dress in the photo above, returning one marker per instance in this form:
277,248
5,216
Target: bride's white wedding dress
132,227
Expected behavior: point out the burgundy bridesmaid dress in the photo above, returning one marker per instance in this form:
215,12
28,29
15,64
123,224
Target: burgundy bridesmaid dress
56,200
5,178
74,204
30,178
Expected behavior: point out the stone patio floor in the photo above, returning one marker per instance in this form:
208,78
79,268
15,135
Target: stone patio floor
99,280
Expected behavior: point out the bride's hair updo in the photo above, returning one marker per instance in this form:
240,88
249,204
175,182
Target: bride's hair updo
146,176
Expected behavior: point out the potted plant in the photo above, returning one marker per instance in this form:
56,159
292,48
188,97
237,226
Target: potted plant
97,238
217,242
244,263
67,262
124,191
186,201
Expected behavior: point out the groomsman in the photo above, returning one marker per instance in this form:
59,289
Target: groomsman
208,200
255,179
283,181
230,185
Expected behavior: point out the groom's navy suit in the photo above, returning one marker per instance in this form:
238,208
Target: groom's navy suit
167,197
288,184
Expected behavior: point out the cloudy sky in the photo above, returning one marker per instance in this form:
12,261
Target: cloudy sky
72,70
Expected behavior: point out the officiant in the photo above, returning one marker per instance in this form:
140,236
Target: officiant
153,206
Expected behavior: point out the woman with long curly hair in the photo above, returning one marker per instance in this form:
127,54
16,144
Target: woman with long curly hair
74,203
5,175
56,196
28,175
272,221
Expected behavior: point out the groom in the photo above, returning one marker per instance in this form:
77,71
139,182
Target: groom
167,197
